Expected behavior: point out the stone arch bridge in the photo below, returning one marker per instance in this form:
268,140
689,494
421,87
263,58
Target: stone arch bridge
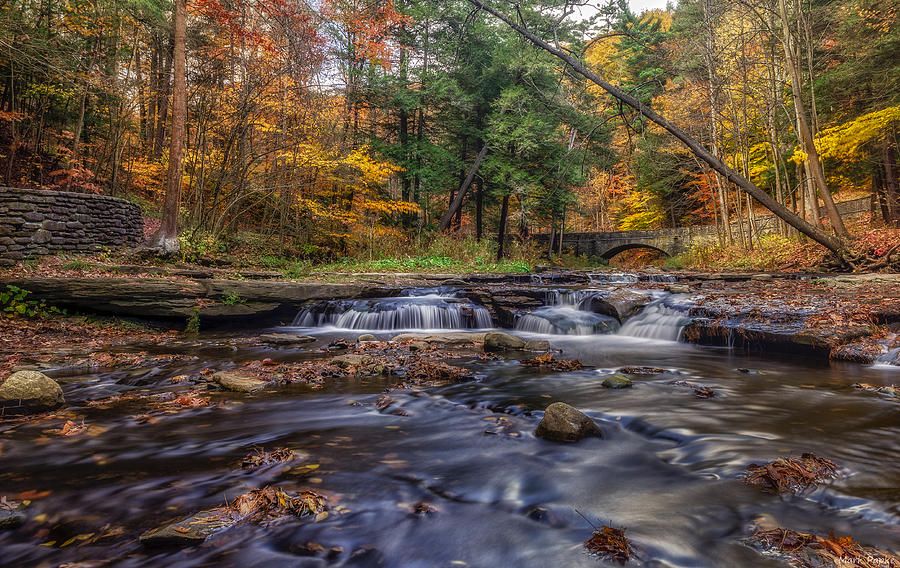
677,240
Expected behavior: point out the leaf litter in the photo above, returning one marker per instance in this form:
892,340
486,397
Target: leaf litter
549,361
791,475
807,550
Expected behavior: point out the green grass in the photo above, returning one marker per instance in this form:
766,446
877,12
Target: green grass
76,265
424,264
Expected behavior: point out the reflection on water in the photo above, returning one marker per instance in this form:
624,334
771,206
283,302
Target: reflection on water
668,467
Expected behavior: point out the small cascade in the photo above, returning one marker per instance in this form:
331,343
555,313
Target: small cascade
890,356
567,312
429,311
566,320
656,321
627,278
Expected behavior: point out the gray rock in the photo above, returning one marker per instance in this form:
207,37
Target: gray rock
236,382
617,381
285,338
678,289
564,423
500,341
620,304
537,345
366,337
29,391
450,338
419,346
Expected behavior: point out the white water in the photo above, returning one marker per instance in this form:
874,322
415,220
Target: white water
656,321
431,311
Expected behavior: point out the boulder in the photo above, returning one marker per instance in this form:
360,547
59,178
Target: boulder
620,303
617,381
285,338
564,423
366,337
29,391
419,346
236,382
537,345
500,341
678,289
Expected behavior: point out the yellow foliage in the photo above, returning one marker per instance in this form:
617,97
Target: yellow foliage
842,142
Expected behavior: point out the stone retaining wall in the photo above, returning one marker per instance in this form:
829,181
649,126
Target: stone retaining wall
35,222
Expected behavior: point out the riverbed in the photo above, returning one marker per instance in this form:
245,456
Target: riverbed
453,475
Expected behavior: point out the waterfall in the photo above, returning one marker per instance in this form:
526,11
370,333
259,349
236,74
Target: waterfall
428,311
567,312
656,321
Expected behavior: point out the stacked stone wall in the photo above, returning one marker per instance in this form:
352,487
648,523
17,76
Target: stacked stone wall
35,222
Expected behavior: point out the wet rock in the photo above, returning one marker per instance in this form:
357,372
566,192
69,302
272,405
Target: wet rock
236,382
285,338
186,532
366,337
11,514
537,345
500,341
419,346
564,423
620,303
678,289
449,338
29,391
617,381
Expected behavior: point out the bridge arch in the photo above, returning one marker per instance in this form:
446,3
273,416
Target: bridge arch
611,252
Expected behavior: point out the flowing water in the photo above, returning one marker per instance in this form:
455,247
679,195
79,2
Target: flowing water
668,467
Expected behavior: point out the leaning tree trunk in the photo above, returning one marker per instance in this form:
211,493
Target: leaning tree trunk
166,239
833,244
458,199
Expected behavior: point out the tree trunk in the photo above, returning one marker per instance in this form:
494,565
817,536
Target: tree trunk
501,231
891,189
461,193
479,205
166,239
835,245
814,165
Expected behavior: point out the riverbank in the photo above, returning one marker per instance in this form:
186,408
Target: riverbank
850,317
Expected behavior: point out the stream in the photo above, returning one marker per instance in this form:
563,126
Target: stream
668,468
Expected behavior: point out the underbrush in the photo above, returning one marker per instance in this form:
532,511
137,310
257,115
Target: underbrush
777,252
441,254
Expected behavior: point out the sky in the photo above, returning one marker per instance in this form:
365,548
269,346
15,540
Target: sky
638,6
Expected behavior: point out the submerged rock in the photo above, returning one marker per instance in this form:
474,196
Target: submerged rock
499,341
285,338
565,423
189,531
617,381
11,515
29,391
236,382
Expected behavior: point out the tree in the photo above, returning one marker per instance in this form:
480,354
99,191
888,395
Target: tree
837,246
166,238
